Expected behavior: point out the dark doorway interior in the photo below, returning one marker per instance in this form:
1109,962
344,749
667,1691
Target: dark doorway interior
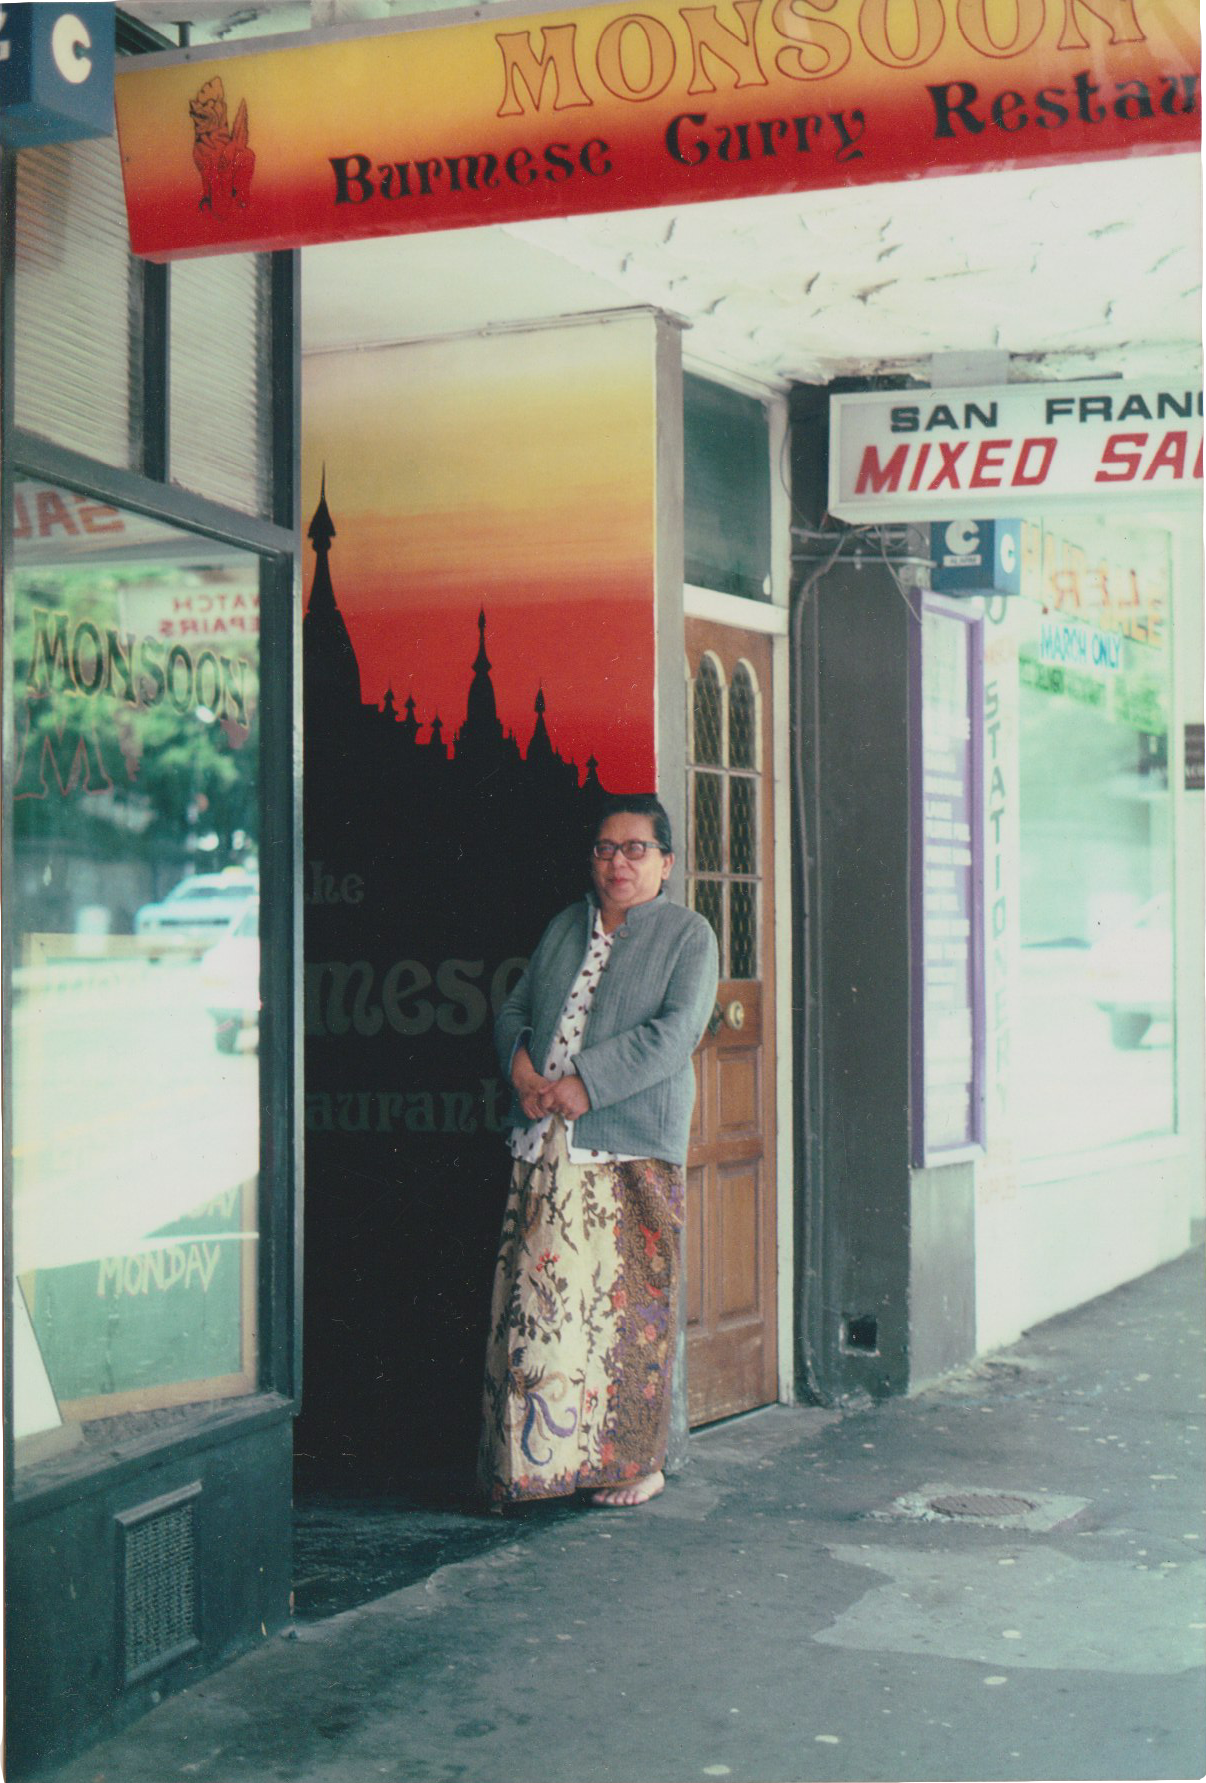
435,854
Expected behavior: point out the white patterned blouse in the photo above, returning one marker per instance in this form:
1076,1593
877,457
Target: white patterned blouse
527,1143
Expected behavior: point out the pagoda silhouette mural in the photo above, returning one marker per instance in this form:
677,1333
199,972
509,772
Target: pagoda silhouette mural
437,848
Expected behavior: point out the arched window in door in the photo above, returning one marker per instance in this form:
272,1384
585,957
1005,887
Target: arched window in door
722,846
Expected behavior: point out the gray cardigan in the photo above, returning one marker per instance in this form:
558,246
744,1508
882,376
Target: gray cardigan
647,1018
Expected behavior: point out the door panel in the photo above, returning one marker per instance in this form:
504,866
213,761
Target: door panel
694,1246
739,1113
698,1112
731,1293
739,1215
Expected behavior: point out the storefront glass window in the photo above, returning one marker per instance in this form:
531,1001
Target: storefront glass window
723,846
1095,1035
726,495
133,913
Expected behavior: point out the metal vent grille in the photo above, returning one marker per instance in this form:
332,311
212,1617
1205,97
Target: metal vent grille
983,1504
947,1503
160,1588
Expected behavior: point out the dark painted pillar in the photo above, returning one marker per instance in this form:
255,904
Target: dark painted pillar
854,687
885,1286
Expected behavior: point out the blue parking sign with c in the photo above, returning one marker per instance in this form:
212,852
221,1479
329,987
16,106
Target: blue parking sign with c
56,73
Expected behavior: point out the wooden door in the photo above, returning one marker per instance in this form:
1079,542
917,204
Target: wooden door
730,1233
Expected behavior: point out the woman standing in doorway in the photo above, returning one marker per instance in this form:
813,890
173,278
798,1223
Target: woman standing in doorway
584,1312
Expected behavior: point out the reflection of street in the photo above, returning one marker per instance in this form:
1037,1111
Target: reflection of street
1075,1089
125,1116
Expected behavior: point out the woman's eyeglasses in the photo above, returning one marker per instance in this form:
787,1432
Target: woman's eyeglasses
632,851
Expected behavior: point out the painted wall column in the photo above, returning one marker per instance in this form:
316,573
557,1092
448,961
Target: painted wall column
886,1255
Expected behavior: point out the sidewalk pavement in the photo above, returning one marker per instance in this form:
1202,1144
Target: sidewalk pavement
1002,1577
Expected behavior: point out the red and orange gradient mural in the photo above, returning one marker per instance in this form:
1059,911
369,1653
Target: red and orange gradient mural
515,475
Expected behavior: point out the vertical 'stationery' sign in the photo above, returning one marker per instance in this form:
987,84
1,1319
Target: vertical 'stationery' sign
602,108
948,950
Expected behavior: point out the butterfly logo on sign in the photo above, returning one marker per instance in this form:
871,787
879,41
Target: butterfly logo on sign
221,154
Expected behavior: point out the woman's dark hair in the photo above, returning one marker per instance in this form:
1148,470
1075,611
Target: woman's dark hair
640,804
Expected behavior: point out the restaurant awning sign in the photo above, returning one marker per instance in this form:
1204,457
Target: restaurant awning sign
924,454
517,115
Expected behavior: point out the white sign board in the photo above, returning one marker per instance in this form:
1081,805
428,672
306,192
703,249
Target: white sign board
926,454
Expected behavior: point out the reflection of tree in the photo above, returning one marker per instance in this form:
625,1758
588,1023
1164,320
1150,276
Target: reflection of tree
104,773
1139,702
185,774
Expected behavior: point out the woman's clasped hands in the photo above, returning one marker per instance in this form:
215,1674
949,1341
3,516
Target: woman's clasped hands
539,1095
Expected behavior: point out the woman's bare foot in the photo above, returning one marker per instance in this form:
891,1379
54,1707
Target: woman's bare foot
636,1492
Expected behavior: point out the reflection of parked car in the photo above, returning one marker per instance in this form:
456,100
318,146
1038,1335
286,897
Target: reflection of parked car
1130,972
230,979
195,912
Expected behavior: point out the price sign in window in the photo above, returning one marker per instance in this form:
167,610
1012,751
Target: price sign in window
135,968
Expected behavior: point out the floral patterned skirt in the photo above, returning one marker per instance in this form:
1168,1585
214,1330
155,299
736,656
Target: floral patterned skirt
582,1326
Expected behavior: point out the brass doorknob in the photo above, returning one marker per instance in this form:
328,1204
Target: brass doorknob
734,1015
